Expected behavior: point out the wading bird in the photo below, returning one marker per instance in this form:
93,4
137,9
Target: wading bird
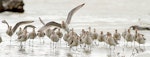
129,37
10,31
32,35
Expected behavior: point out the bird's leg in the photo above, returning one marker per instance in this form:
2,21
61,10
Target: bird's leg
144,46
124,42
32,42
29,43
84,46
114,50
56,45
49,45
20,45
110,50
40,40
66,44
133,52
69,49
139,46
134,45
95,43
53,45
43,40
10,41
60,42
76,48
143,49
73,49
89,47
131,44
104,44
127,44
80,45
10,44
119,42
32,45
24,45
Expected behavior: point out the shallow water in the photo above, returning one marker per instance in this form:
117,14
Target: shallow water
105,16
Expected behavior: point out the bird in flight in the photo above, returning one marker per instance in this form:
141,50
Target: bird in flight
64,24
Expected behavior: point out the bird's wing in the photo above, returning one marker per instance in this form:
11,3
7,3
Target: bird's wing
70,14
41,21
20,23
49,24
29,26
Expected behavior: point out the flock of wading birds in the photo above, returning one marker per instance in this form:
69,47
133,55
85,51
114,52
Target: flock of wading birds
85,38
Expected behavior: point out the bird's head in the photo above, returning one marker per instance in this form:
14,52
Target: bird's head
116,30
10,27
101,32
63,25
4,21
89,28
108,34
83,30
94,30
63,22
128,30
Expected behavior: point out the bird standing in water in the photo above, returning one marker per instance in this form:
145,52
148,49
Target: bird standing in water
129,37
32,35
10,31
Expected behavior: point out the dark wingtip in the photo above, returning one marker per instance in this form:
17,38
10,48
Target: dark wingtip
131,27
83,4
32,21
38,31
34,27
3,21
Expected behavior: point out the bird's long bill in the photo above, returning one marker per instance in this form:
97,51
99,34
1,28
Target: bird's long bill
70,14
41,21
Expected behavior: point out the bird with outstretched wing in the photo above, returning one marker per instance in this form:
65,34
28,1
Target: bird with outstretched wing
64,25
